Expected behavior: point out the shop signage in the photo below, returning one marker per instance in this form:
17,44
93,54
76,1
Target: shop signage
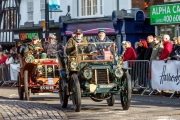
54,5
165,14
24,36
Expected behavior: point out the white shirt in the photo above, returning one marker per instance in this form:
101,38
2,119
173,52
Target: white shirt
9,60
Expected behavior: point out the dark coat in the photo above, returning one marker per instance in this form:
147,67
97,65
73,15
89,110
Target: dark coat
140,55
148,52
175,52
96,39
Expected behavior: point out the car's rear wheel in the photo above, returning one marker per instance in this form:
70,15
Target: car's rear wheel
76,93
26,86
63,93
20,88
125,93
111,100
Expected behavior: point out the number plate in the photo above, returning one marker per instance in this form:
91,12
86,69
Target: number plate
46,87
106,86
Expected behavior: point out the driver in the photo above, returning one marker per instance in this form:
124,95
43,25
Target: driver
34,47
78,38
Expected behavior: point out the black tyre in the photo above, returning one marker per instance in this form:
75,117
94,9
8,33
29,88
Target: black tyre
63,93
26,88
111,100
125,93
76,95
20,88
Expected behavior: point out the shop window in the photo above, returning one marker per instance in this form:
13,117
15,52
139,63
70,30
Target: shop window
167,29
30,10
91,8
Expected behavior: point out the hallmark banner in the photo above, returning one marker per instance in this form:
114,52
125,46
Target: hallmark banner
166,76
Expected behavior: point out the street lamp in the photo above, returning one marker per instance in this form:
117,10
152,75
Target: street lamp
47,18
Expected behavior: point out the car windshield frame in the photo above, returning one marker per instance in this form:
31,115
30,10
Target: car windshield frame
108,50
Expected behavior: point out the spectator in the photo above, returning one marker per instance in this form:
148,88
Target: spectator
167,47
9,59
174,55
129,54
175,42
150,41
157,49
123,46
4,67
136,46
51,47
142,49
14,54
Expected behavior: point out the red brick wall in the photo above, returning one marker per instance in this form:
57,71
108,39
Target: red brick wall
139,4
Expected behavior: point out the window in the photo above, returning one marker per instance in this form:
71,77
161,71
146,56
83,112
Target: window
91,8
42,8
30,10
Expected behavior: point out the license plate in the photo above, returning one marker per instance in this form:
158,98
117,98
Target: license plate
106,86
46,87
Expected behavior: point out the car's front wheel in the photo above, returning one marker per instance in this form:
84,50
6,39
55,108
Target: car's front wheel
76,93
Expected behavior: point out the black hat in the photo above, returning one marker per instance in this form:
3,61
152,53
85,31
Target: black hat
78,31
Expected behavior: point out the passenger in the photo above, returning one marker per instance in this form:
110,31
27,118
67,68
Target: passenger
78,38
52,46
33,47
100,38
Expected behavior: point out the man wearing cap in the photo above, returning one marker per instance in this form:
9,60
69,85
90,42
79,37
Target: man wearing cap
78,38
33,47
51,47
100,38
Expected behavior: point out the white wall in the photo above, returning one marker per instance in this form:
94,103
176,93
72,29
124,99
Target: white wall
109,6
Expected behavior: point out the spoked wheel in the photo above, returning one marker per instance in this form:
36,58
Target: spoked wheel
125,93
26,89
76,95
111,100
63,93
20,88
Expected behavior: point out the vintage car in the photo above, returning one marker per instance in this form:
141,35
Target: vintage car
37,75
94,71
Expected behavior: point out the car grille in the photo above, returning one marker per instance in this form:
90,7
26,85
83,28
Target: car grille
50,71
101,76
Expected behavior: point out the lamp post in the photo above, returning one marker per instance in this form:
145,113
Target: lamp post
47,18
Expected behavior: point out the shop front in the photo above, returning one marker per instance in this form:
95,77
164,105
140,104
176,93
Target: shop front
131,26
166,19
89,27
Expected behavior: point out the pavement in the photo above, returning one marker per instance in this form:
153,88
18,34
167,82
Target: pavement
13,109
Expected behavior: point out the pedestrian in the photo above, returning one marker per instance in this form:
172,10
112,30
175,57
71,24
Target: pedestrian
150,41
157,49
167,47
129,53
52,46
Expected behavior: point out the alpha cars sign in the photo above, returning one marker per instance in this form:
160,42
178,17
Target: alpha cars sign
165,14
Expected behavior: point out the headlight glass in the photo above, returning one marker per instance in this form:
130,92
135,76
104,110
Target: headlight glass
40,69
73,64
87,73
118,72
29,59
